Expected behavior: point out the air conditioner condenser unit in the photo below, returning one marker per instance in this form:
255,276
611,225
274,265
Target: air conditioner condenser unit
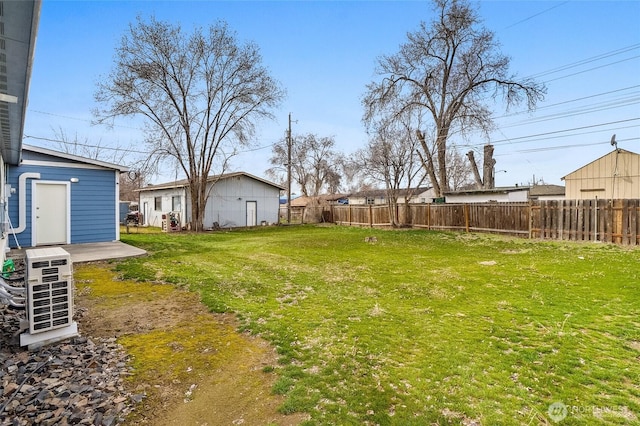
49,297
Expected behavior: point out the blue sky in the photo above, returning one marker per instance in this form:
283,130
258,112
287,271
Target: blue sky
324,52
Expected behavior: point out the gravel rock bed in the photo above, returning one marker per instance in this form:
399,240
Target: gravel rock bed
77,381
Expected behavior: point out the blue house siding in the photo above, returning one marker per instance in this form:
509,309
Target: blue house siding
93,207
93,198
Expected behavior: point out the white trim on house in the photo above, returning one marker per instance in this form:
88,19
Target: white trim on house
183,183
117,204
85,161
67,165
34,210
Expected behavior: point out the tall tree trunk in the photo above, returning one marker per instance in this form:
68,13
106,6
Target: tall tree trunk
474,167
487,167
428,164
441,147
198,191
392,204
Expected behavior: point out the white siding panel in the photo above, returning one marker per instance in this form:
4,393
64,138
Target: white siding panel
501,197
227,203
154,217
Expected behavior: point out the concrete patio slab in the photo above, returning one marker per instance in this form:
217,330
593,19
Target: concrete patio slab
93,252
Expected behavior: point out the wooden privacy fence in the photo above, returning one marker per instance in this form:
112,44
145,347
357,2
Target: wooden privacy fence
611,221
614,221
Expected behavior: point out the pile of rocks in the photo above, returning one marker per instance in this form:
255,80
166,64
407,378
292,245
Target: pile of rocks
79,381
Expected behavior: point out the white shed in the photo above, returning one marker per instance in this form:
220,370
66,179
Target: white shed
236,200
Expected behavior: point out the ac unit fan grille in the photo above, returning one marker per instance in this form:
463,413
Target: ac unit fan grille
49,289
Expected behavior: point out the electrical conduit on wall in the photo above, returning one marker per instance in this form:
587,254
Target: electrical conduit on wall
22,201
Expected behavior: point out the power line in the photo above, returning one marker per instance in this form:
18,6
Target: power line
80,119
528,138
475,147
586,61
567,102
85,145
537,14
587,109
580,145
592,69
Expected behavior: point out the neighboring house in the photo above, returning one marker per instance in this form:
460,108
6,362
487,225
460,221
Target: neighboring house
58,198
320,200
379,196
313,209
19,22
500,194
507,194
614,175
235,200
547,192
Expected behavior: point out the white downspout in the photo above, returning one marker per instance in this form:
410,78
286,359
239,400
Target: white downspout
22,201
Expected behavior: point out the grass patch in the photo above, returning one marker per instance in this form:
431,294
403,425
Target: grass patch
179,351
101,285
423,327
182,352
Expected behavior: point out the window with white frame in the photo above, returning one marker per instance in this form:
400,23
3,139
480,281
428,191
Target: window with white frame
176,203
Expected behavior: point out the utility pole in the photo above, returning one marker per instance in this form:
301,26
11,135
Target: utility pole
289,144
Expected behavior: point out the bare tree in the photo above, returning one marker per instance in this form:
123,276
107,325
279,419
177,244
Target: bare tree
352,178
391,158
459,172
448,70
128,182
315,164
95,150
200,93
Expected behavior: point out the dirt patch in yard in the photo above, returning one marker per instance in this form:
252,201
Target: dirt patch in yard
194,367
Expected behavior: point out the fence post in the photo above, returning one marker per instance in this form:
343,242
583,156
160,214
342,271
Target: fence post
466,217
557,231
370,216
635,222
595,220
530,218
618,219
429,216
543,218
605,214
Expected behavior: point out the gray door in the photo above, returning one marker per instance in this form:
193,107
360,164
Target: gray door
51,215
252,213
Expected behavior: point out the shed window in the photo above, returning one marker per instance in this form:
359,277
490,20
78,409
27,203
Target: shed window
176,204
370,200
157,204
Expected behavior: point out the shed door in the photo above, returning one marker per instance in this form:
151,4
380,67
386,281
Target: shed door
145,213
252,213
50,216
